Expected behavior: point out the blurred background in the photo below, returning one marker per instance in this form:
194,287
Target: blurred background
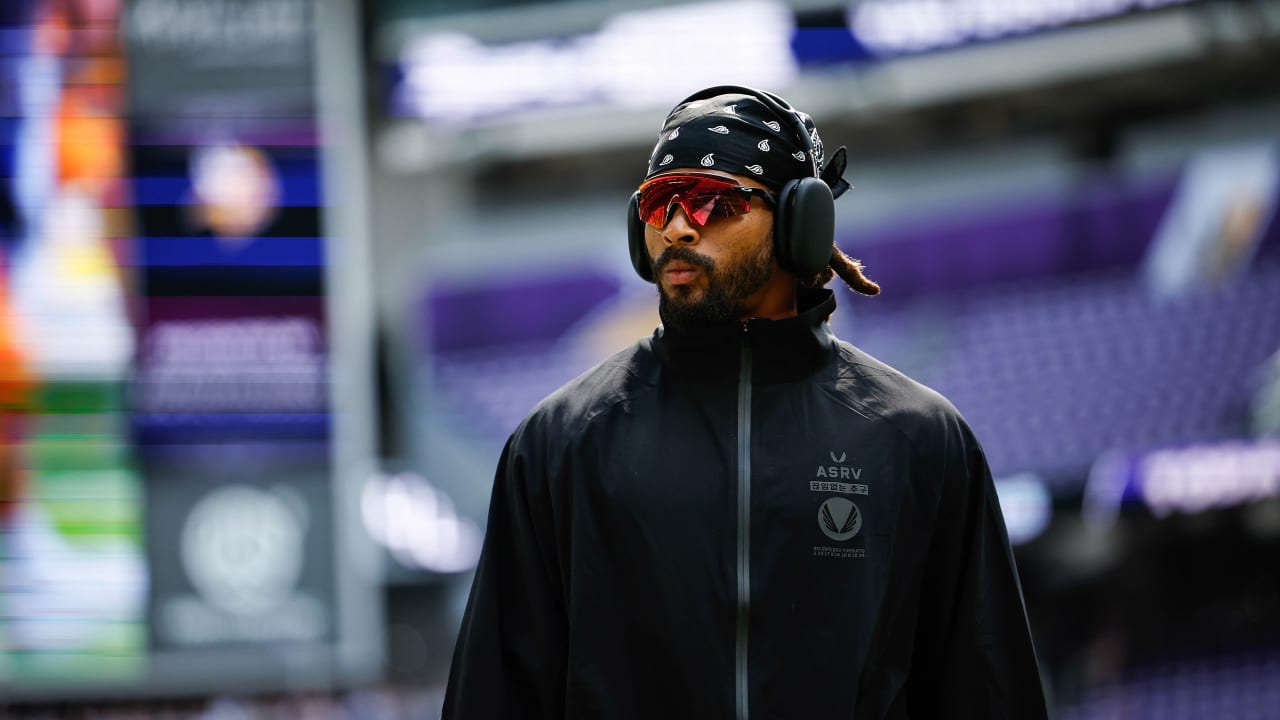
279,277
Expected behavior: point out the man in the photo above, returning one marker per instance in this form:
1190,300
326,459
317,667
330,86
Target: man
743,516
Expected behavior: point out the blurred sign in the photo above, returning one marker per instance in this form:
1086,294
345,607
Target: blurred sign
73,575
899,27
248,364
220,62
1192,479
166,445
452,77
1205,477
240,547
1225,203
232,371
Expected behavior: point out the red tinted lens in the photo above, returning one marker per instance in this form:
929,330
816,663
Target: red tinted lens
702,197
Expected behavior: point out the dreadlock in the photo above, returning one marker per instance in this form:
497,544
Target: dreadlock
849,270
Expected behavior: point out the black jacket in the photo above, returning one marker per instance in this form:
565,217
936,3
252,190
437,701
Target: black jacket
753,521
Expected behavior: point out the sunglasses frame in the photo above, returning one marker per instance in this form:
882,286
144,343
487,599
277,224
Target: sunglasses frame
729,184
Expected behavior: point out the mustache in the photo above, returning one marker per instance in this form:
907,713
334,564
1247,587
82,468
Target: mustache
685,254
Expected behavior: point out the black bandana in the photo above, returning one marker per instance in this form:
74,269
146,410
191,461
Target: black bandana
738,134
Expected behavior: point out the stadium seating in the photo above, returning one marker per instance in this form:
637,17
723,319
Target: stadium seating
1053,374
1233,687
1050,373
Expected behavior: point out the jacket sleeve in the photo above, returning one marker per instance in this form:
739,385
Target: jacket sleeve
509,661
974,656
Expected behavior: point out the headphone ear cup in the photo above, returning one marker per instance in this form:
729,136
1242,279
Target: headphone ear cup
804,226
640,259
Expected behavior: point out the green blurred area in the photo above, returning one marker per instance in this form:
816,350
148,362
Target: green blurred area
84,498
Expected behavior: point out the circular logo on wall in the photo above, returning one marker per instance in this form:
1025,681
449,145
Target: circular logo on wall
839,519
242,548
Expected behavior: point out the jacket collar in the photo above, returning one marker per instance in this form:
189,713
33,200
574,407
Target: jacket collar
781,350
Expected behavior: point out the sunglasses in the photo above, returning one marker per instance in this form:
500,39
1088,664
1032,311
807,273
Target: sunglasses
702,197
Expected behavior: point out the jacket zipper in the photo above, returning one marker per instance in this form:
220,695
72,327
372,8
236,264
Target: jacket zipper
744,524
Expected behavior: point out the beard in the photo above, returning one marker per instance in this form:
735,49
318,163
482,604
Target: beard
728,286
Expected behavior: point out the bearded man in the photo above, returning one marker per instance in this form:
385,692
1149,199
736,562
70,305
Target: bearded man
743,516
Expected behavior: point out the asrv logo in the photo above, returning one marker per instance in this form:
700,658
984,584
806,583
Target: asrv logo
828,478
838,471
839,519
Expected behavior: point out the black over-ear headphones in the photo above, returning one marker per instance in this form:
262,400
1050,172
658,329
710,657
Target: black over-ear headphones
804,221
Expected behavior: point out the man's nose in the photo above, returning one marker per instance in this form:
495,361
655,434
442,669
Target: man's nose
680,229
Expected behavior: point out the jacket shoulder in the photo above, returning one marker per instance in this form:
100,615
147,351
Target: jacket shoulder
613,381
917,411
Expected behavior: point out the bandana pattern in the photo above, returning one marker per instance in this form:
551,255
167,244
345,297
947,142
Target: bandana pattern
737,134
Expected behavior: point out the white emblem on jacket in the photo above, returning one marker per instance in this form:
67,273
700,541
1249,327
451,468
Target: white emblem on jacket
839,519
